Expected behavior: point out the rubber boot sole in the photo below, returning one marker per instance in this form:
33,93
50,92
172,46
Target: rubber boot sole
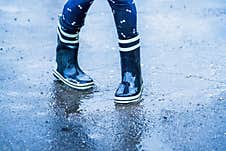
130,99
71,84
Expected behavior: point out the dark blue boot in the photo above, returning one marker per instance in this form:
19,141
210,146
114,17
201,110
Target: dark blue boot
68,70
131,86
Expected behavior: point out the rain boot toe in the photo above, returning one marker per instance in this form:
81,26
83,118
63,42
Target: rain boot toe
125,94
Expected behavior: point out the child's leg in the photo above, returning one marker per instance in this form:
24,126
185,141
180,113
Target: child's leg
125,16
74,13
70,22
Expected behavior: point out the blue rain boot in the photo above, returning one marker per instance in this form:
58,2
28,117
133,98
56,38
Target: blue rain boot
131,86
68,70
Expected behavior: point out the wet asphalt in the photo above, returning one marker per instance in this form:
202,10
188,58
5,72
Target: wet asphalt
183,106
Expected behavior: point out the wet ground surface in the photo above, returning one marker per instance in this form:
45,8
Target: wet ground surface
184,68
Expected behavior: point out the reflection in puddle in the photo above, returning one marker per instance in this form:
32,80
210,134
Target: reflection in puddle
68,99
119,129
